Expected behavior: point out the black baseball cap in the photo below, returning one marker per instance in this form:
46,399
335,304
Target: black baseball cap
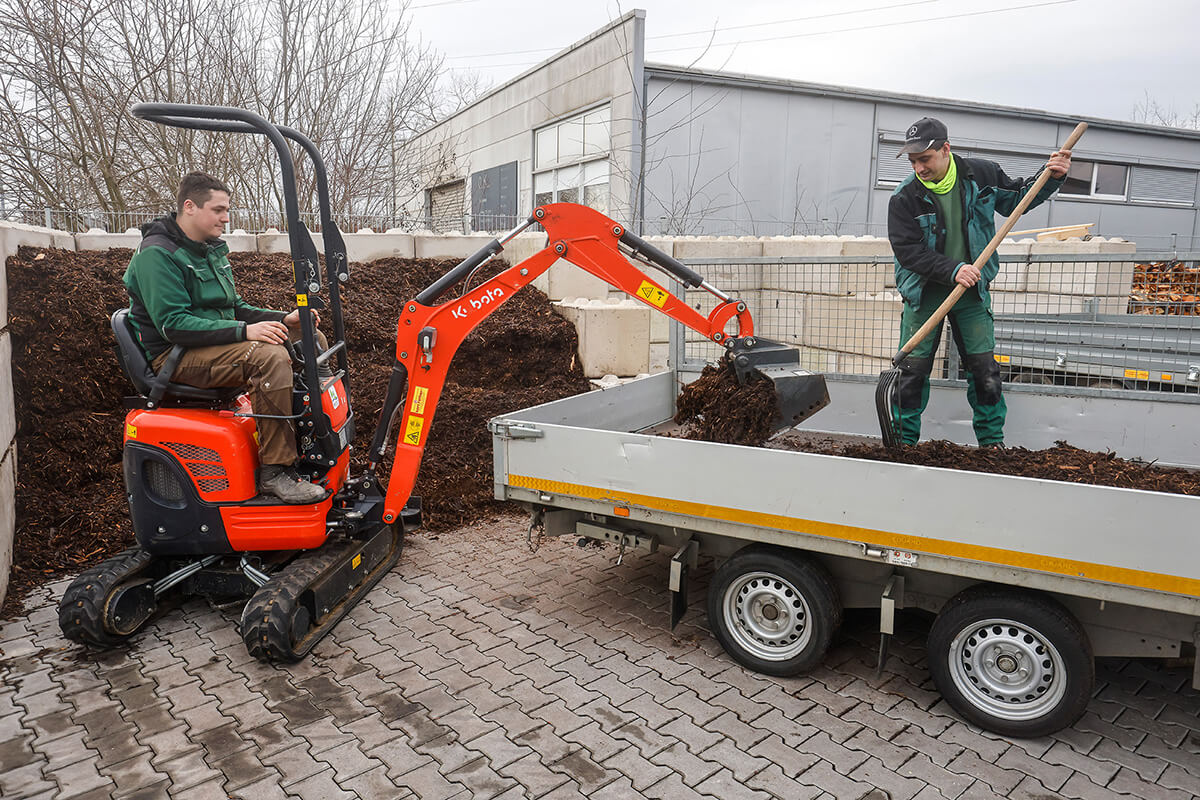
924,134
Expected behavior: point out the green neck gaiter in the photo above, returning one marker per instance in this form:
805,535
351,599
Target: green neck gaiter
946,183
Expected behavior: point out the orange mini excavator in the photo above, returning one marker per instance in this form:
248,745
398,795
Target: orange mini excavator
190,454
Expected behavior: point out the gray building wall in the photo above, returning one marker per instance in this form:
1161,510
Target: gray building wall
604,68
739,154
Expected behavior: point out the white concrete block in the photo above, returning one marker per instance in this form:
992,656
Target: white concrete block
1046,303
829,278
1013,275
454,247
614,337
867,324
794,246
273,240
8,512
660,357
660,328
779,315
370,246
717,247
565,281
1110,279
98,239
8,422
241,242
523,246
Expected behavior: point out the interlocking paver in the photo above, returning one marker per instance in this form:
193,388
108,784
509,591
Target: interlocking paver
582,768
428,783
725,785
473,670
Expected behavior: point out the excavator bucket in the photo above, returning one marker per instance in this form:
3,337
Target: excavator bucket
800,393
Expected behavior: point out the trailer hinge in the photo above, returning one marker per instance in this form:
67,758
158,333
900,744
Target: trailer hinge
516,430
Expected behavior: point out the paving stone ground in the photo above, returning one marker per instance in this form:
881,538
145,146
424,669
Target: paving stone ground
478,670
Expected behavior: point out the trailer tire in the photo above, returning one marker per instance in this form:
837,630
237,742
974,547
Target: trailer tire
1015,663
772,611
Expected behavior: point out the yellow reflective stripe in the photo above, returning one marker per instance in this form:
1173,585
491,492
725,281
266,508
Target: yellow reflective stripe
921,544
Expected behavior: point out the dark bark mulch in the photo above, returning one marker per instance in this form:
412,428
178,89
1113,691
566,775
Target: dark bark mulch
716,408
1062,462
71,508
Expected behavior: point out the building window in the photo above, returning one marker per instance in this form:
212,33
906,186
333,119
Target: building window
571,161
1093,179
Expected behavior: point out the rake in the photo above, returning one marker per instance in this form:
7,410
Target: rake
887,400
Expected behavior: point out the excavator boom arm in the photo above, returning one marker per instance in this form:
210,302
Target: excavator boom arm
429,333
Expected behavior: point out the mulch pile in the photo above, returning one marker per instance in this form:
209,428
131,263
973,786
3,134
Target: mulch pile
71,507
1165,287
716,408
1062,462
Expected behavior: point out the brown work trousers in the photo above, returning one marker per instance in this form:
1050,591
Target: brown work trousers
266,370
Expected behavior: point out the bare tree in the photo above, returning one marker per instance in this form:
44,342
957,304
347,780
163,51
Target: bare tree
348,73
1151,112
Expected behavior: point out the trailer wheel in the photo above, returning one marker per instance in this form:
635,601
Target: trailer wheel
773,612
1015,663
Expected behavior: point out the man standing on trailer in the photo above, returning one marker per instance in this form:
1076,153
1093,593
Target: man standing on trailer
181,292
939,219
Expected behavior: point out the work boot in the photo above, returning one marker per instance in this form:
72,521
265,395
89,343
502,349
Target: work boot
285,483
992,446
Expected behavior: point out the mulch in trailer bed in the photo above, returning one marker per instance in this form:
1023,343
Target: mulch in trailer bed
1062,462
715,408
71,510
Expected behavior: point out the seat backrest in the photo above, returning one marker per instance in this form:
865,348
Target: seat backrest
133,360
148,384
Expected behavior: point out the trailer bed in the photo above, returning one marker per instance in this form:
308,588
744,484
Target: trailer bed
595,453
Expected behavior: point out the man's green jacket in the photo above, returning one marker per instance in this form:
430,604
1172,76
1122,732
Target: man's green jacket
918,233
181,292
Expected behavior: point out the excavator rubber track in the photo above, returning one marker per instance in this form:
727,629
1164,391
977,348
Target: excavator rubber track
92,612
294,610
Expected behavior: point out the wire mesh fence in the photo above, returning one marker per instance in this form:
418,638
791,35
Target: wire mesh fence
1095,321
258,221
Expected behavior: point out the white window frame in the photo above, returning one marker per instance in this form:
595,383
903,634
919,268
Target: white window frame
1092,193
574,169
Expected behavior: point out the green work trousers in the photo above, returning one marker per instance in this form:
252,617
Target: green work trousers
972,329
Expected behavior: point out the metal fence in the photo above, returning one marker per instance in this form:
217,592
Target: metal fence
253,221
1096,322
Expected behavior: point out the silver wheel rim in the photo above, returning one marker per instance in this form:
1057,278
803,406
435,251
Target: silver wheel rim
767,616
1007,669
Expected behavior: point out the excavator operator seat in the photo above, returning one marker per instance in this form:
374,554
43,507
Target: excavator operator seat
155,387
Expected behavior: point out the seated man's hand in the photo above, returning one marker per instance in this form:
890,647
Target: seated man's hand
269,332
293,319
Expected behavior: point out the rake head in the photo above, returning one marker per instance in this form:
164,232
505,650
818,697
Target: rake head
886,406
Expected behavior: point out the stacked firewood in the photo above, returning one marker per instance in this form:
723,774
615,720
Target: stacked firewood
1165,287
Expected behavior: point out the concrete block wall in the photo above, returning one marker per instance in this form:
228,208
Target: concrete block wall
852,310
12,237
843,317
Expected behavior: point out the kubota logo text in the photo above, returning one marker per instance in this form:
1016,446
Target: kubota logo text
485,299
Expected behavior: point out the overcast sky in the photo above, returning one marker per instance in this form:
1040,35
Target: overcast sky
1089,57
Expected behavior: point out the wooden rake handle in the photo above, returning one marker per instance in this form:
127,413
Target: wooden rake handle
949,302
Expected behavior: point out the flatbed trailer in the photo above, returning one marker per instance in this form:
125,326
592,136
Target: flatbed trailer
1029,579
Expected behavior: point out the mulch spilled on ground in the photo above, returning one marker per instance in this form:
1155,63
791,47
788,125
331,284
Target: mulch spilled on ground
1062,462
71,507
716,408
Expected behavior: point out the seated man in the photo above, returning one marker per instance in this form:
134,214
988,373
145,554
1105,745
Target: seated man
181,292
